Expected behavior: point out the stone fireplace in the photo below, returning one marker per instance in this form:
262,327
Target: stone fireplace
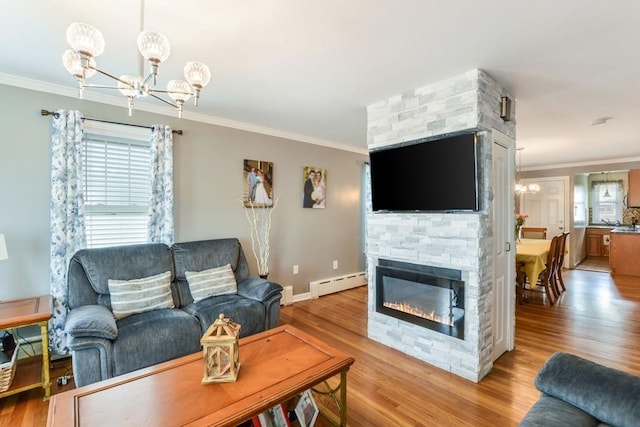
456,248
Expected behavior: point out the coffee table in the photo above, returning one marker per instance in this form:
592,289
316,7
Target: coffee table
276,365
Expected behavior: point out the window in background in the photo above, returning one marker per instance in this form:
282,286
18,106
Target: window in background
607,202
116,172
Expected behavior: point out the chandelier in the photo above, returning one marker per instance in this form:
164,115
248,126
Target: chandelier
87,43
523,188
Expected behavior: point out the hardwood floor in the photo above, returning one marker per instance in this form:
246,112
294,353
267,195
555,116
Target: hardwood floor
597,318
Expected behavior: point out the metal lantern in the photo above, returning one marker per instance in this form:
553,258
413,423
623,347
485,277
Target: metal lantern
220,351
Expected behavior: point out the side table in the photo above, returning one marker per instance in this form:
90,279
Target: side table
31,372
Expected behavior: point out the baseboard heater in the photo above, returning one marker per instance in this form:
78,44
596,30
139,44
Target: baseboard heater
319,288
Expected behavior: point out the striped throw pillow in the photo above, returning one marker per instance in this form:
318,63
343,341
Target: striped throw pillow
215,281
139,295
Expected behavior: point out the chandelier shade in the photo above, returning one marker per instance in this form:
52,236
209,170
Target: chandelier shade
197,74
154,46
72,61
129,86
85,39
87,43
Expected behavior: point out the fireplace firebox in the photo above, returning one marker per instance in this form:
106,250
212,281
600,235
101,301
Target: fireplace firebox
428,296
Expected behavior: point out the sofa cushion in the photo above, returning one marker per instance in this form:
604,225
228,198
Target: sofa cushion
250,314
203,255
153,337
118,262
549,411
214,281
139,295
608,394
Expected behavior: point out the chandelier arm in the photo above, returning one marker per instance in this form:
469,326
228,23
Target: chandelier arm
94,86
170,91
161,99
149,77
104,73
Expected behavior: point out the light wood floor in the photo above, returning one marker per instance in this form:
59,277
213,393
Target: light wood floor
597,318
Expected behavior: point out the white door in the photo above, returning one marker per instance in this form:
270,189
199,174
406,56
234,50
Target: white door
502,311
549,207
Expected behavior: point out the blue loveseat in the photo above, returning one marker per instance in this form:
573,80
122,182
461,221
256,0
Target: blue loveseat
576,392
103,347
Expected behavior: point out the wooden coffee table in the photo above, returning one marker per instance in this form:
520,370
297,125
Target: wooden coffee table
276,365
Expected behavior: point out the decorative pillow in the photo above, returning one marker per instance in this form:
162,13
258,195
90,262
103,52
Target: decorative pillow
215,281
139,295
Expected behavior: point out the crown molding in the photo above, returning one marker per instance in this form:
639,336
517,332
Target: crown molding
89,95
581,164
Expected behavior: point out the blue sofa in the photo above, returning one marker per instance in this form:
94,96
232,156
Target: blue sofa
580,393
103,347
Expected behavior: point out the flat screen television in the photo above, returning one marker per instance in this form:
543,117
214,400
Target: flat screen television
426,176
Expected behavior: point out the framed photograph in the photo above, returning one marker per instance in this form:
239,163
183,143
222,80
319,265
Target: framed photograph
315,187
258,183
274,417
307,410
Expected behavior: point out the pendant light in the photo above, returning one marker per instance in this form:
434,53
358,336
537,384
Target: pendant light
523,188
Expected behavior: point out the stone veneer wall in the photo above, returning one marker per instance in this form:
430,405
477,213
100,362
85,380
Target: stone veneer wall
461,241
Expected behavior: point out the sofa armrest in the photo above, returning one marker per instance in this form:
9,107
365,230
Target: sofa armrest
258,289
610,395
91,321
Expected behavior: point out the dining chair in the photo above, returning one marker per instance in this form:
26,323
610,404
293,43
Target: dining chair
560,262
534,232
548,275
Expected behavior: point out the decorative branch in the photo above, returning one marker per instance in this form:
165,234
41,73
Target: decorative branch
260,224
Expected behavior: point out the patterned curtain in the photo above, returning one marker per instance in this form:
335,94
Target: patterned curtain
160,227
67,215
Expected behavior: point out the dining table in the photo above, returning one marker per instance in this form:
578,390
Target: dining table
531,258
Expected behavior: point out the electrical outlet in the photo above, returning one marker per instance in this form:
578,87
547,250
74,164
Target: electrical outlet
295,269
335,264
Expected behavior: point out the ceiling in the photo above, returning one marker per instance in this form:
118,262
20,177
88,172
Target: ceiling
308,69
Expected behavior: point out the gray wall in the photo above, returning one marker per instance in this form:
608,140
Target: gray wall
208,162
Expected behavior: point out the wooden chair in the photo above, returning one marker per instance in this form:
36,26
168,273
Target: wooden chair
534,232
560,262
547,277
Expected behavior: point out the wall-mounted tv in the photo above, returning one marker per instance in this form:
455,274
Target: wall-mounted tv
426,176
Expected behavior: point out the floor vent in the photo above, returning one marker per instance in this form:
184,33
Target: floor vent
319,288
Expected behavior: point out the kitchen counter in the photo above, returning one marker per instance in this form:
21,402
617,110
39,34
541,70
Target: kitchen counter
624,255
626,230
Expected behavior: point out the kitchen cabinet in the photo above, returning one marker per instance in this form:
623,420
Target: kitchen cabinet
633,198
625,254
595,242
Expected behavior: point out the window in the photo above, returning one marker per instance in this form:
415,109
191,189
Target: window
607,201
116,171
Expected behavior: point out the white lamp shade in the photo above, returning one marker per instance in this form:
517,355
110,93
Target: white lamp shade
72,61
3,248
85,38
179,90
154,46
131,88
197,74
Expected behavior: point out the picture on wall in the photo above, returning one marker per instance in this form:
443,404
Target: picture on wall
258,183
315,187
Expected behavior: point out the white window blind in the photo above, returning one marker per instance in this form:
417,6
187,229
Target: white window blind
607,201
116,187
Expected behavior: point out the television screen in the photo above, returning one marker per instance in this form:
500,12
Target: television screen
439,175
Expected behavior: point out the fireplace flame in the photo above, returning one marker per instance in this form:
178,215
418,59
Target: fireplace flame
415,311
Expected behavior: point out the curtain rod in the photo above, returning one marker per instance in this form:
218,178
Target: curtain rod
54,114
